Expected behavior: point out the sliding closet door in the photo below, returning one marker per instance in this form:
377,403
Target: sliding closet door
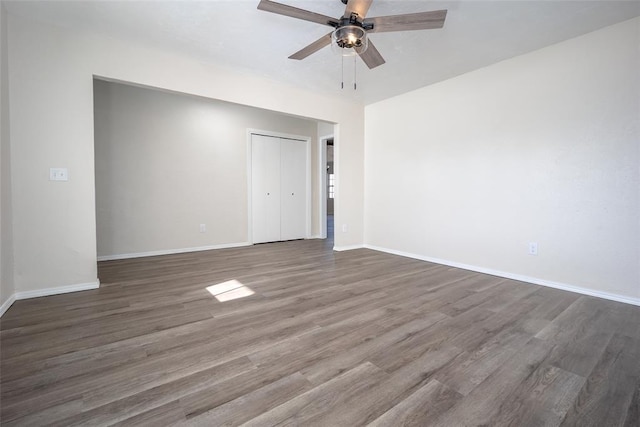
265,188
293,185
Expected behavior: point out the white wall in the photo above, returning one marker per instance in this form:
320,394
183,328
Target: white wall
325,129
539,148
167,162
51,82
6,235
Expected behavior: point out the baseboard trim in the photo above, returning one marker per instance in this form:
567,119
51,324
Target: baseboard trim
5,306
47,292
172,251
513,276
347,248
59,290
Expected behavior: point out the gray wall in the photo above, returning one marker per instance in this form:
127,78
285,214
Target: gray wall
166,163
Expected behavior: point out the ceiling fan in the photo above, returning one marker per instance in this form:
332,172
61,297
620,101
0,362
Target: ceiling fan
351,30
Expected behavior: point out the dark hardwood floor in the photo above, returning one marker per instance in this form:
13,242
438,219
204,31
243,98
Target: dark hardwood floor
333,339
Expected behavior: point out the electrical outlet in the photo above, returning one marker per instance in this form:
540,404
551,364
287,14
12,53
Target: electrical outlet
203,228
58,174
533,248
344,228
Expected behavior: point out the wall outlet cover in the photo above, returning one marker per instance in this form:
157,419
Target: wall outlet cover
58,174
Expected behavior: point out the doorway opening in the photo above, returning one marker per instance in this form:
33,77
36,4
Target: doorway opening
331,181
328,186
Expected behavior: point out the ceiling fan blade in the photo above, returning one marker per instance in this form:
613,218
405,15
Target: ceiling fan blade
371,56
361,7
313,47
410,21
294,12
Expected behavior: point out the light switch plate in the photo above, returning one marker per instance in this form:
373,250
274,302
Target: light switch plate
58,174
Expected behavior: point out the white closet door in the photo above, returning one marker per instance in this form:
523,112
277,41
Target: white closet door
293,178
265,188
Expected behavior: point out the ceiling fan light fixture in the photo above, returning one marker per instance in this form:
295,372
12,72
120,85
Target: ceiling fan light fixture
349,34
346,39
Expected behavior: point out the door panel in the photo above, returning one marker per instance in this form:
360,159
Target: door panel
293,176
265,184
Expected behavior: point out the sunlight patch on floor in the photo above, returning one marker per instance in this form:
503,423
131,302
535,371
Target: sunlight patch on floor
229,290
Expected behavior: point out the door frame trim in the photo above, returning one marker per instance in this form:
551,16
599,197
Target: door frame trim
302,138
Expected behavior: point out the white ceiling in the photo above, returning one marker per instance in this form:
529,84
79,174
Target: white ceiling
234,33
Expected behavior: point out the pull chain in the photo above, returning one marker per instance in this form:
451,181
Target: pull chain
342,84
355,75
354,72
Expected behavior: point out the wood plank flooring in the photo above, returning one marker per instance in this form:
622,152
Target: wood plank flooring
330,339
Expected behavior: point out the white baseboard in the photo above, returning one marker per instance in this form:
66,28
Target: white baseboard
513,276
347,248
5,306
59,290
47,292
171,251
